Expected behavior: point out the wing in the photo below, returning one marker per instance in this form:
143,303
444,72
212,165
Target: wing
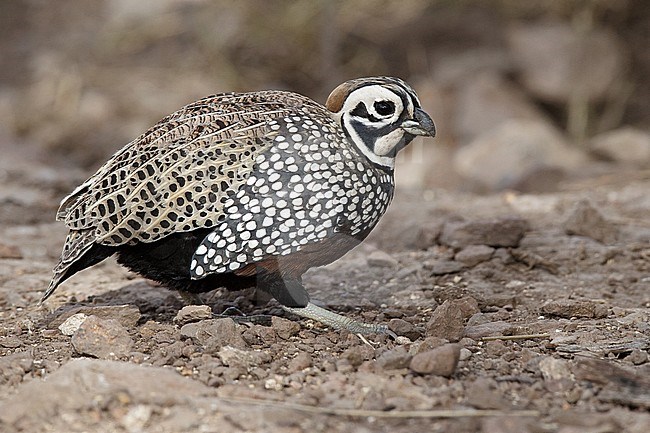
177,176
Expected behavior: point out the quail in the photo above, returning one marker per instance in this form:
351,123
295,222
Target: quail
241,190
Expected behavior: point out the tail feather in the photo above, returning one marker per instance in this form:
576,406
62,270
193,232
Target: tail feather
77,244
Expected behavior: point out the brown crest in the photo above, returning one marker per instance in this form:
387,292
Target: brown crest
337,98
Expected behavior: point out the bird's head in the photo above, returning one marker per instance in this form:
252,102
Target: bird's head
380,116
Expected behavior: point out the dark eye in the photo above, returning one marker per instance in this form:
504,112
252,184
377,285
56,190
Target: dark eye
384,108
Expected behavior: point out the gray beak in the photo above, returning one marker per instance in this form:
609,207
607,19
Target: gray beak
421,124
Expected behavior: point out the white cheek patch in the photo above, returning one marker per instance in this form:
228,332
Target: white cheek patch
386,143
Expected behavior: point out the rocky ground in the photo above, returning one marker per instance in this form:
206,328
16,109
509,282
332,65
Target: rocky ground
515,313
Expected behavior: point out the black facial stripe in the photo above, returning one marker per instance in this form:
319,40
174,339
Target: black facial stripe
361,111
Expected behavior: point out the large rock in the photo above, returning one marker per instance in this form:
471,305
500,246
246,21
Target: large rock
586,220
556,62
626,145
485,102
84,386
509,154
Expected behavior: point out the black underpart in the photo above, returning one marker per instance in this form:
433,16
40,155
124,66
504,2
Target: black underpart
167,261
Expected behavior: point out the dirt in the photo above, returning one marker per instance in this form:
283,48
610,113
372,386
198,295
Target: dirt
514,313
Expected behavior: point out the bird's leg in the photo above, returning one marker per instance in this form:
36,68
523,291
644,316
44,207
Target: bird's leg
294,298
190,298
338,321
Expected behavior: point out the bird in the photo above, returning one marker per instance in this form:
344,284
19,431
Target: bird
241,190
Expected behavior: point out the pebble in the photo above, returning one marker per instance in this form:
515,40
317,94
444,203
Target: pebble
285,328
381,259
472,255
72,323
213,334
430,343
637,357
192,313
483,394
441,361
302,361
238,358
448,320
487,329
127,315
428,234
10,252
585,220
556,373
14,366
498,232
102,338
443,267
465,354
568,308
626,145
402,327
394,358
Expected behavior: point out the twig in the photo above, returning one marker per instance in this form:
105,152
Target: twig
515,337
379,413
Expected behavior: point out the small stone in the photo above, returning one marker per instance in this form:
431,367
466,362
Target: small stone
285,328
10,342
381,259
483,394
300,362
489,329
72,323
499,232
637,357
10,252
213,334
127,315
102,338
586,220
568,308
14,366
627,145
448,320
495,349
472,255
238,358
428,234
465,354
192,313
355,355
444,267
556,373
430,343
441,361
402,327
394,358
467,305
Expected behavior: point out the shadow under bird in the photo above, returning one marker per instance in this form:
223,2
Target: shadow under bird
242,190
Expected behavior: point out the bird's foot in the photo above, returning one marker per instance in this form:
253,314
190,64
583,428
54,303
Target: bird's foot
337,321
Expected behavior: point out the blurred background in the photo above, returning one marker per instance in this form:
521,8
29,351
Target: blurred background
527,95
